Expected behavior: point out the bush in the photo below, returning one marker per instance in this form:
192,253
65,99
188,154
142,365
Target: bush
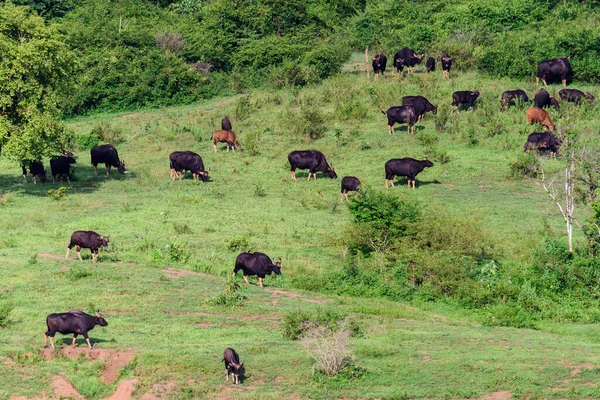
307,123
526,166
231,296
5,310
295,323
330,349
239,243
59,193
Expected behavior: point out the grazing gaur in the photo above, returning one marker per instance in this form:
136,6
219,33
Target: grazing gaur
232,364
420,104
61,165
535,114
35,168
464,97
349,184
75,322
226,124
446,64
256,264
379,64
575,95
509,97
107,154
312,160
401,114
554,103
553,69
398,64
226,137
88,240
187,161
543,141
430,65
408,167
408,58
541,99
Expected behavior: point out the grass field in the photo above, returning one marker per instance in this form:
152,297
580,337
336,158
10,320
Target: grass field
159,228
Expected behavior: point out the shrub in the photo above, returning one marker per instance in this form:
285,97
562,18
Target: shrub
59,193
74,274
526,166
243,108
182,228
252,143
177,251
295,323
231,296
239,243
308,123
5,310
329,349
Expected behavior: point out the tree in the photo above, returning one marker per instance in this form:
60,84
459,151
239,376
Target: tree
34,64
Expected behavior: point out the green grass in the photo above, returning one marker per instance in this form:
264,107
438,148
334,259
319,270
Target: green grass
155,223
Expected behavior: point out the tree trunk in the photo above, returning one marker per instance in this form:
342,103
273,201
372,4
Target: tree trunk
367,62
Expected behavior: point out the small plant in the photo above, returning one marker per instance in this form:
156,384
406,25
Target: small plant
252,143
231,296
59,193
75,274
364,145
296,322
239,243
329,349
182,229
5,310
441,117
340,139
177,251
259,191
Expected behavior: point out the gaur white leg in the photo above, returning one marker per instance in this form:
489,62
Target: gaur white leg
78,250
308,177
564,83
107,171
68,251
68,180
215,147
246,279
45,340
34,182
74,338
346,194
293,174
52,342
260,281
95,170
87,339
227,374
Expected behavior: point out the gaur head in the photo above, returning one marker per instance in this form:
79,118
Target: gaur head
331,172
427,162
104,240
121,168
589,96
100,319
419,57
277,267
204,175
237,370
399,62
475,93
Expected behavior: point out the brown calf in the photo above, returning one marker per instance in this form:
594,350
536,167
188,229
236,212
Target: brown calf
538,115
225,136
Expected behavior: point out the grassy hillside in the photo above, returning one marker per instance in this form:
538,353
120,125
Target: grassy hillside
250,203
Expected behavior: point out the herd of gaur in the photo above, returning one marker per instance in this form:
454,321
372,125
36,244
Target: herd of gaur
259,264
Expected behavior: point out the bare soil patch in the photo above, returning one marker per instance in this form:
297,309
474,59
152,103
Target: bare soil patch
173,273
48,255
204,324
130,115
579,368
115,359
64,267
159,391
124,390
501,395
64,389
290,295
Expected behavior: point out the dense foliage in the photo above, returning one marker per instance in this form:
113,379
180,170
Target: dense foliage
34,64
142,53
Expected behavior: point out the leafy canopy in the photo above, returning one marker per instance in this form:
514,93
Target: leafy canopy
34,63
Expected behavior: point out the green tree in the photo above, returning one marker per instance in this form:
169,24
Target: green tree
34,63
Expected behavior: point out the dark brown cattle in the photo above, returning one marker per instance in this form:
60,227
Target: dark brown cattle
232,364
226,124
75,322
349,184
554,69
446,64
88,240
408,167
